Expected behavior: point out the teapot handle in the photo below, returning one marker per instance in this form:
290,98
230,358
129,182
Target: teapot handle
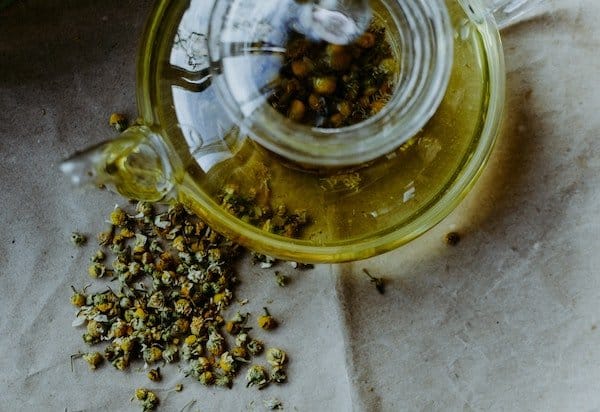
508,12
137,165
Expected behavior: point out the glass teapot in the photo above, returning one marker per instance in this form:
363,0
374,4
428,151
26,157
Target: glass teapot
212,138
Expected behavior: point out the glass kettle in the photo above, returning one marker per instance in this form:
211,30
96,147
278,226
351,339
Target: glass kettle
208,70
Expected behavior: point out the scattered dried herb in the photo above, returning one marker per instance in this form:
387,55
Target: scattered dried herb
171,278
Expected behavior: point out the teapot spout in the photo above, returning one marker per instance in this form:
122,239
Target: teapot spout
136,164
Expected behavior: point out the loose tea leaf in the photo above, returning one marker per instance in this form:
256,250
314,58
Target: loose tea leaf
172,277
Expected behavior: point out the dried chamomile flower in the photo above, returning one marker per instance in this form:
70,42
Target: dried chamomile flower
94,328
235,324
99,256
118,217
215,344
281,280
126,233
157,300
172,277
242,339
96,270
191,348
153,354
154,375
134,268
276,357
265,261
183,307
78,239
257,376
171,353
198,366
118,121
196,325
78,299
145,210
179,243
239,353
126,344
224,381
267,321
206,378
222,299
148,399
105,238
273,404
94,359
255,347
119,329
121,363
227,363
141,394
278,375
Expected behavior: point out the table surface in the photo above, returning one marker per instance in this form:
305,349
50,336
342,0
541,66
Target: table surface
505,321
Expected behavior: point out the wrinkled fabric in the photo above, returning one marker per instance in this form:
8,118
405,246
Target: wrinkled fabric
505,320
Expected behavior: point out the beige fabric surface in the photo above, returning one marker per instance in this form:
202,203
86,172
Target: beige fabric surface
505,321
